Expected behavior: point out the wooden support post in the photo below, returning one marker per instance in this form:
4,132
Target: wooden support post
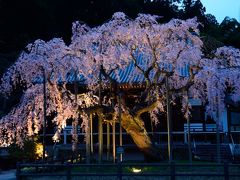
100,140
169,119
108,141
91,133
113,129
114,141
75,120
100,124
44,113
189,132
120,125
88,141
217,131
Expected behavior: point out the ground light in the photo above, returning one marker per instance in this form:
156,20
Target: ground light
136,170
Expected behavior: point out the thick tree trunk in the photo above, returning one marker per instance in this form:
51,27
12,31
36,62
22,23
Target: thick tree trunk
135,128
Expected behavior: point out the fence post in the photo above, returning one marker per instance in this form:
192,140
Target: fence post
172,170
68,171
226,171
119,170
18,172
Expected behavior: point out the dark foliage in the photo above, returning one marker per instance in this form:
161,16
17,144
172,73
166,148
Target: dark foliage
27,153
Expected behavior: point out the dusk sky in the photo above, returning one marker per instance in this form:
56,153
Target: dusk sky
222,8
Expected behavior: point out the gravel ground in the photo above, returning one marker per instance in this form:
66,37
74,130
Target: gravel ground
8,175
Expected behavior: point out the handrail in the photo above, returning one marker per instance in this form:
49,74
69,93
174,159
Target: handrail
159,133
232,140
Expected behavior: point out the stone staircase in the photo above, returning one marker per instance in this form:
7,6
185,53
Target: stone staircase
208,152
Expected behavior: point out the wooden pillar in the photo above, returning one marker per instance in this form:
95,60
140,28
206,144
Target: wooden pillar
100,125
169,119
114,141
91,133
217,130
108,141
189,132
113,129
75,121
120,124
44,113
100,140
88,141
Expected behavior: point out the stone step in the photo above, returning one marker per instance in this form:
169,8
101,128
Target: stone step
209,152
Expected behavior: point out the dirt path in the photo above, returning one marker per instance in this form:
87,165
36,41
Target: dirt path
8,175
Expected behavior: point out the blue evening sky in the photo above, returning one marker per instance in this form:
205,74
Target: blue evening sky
222,8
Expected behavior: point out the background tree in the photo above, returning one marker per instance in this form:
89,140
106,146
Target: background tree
230,28
193,8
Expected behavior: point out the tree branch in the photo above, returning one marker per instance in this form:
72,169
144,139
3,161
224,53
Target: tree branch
190,80
96,109
145,108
